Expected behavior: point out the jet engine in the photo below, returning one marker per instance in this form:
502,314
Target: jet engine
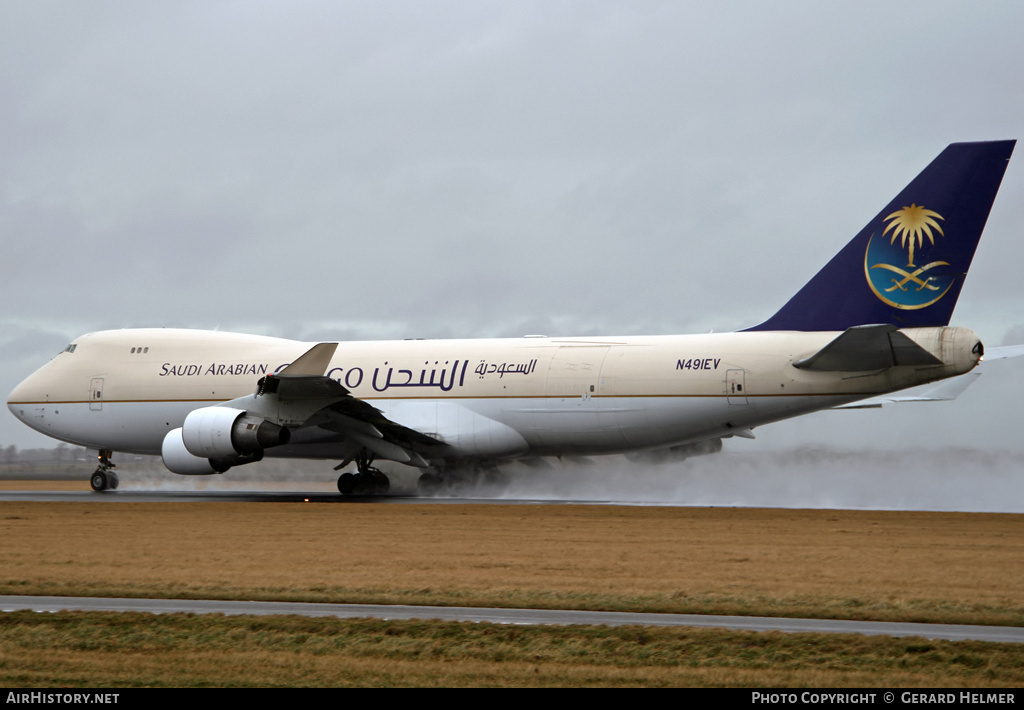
213,439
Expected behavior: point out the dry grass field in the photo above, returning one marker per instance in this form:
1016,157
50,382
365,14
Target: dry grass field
948,567
908,566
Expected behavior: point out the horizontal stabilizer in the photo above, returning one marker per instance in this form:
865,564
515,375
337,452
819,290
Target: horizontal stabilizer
944,391
1003,351
868,347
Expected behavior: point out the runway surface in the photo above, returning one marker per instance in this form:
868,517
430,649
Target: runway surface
268,496
559,617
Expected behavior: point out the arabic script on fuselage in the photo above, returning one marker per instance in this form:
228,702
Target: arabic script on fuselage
505,368
444,375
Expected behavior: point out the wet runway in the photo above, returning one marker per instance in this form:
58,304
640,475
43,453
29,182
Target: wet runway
952,632
250,496
943,479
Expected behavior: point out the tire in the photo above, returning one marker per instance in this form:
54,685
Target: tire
430,484
379,483
346,484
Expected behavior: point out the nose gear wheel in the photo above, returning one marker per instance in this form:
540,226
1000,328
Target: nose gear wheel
104,478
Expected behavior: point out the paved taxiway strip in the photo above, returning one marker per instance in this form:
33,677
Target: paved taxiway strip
952,632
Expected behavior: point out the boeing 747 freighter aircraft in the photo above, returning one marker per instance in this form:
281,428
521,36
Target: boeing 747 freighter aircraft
873,321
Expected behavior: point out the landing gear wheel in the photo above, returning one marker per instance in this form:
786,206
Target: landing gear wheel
99,481
430,484
347,484
494,481
367,481
104,478
370,482
378,482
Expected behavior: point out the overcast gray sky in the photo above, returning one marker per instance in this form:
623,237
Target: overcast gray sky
353,170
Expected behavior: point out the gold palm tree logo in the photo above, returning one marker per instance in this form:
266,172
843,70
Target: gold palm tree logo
912,224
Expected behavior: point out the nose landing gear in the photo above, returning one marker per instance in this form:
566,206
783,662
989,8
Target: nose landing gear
104,478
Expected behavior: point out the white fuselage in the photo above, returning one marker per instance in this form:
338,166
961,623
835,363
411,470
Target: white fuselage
492,398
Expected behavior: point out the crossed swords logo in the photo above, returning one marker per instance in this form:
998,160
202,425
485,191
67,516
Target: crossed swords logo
914,276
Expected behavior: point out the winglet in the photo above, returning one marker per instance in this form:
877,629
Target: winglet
314,361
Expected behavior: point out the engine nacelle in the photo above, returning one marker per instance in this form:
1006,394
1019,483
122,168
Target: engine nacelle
227,433
178,459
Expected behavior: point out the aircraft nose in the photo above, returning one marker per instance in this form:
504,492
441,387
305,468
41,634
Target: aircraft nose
35,393
19,398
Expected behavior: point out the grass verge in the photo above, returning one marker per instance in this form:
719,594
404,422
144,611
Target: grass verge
133,650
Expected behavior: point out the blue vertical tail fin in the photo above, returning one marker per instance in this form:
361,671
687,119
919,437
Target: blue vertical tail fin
907,266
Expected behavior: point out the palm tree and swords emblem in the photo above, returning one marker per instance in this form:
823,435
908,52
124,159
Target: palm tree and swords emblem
911,286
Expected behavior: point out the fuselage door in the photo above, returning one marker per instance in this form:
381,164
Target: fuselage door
735,387
96,394
575,371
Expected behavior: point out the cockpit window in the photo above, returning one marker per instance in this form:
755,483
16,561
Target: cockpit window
70,348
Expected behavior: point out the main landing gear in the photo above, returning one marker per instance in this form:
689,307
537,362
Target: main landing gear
366,481
104,478
481,479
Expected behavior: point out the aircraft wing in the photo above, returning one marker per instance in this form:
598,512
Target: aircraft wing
302,396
